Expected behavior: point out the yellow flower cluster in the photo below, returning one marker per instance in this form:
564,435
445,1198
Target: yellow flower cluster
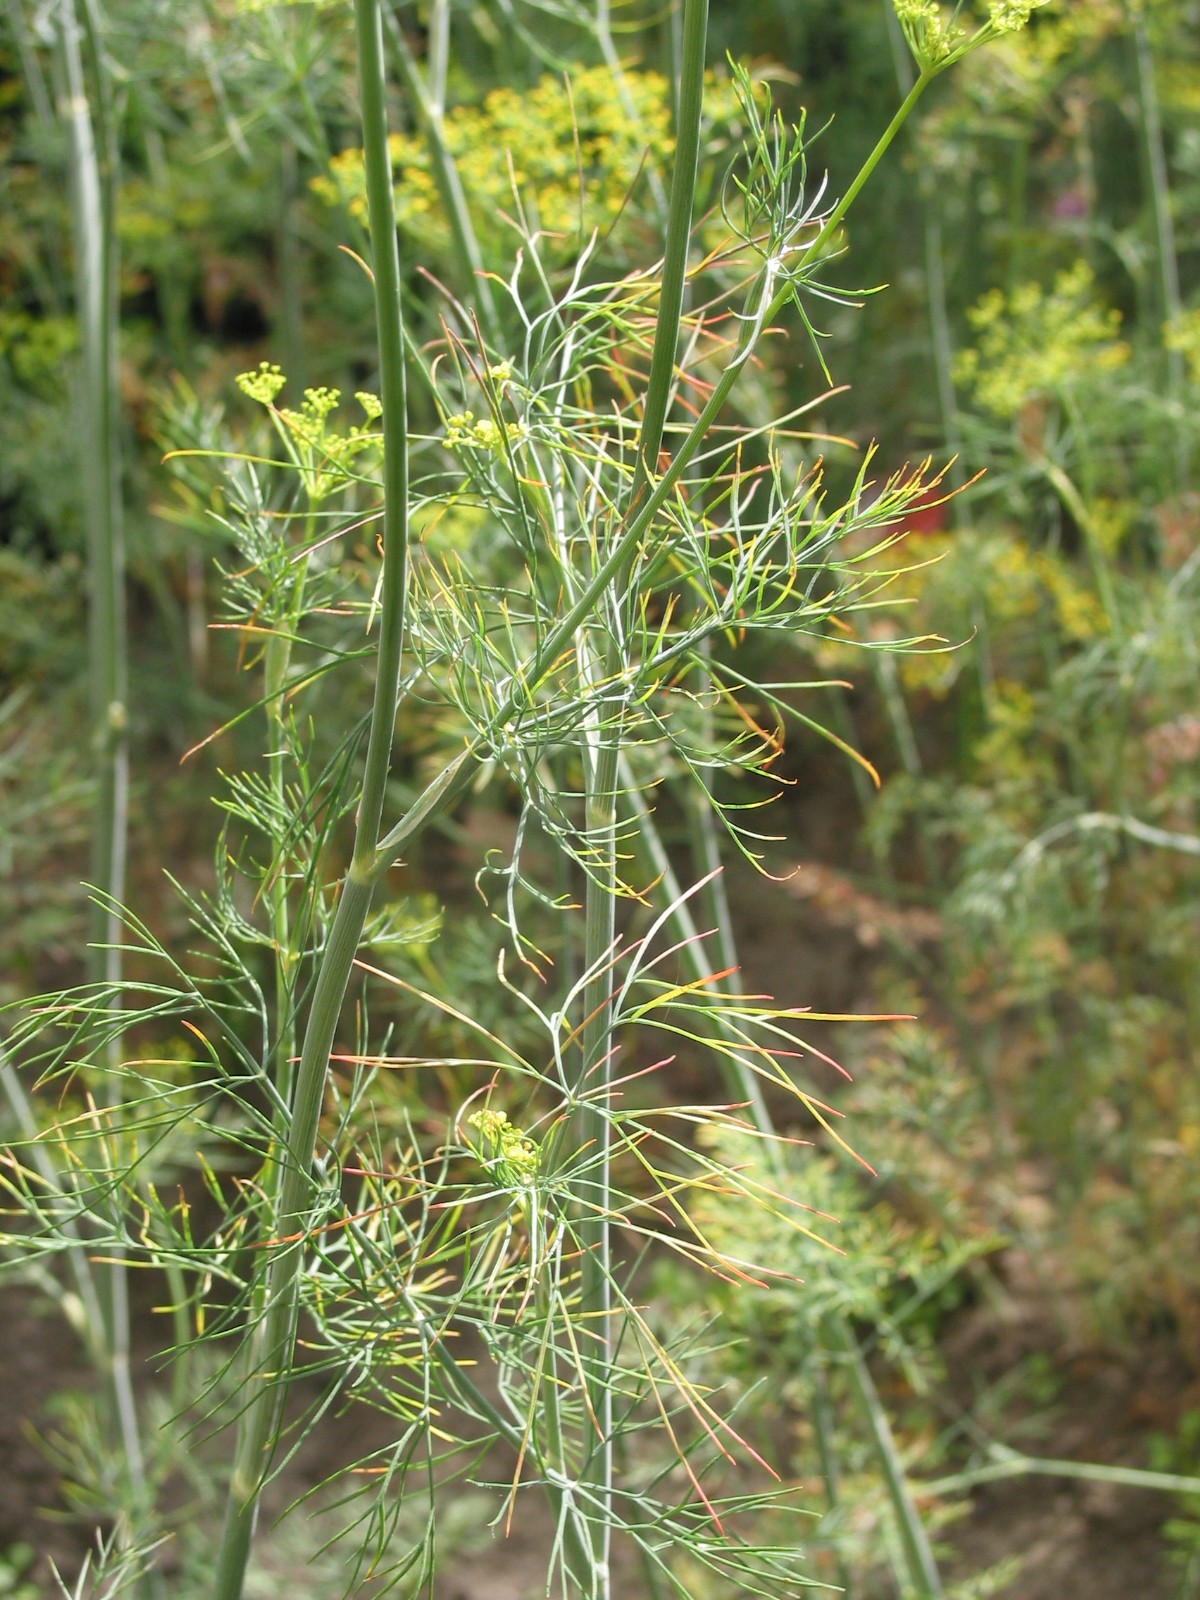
566,160
482,433
321,454
1007,16
930,37
263,384
515,1155
1020,588
1038,342
1183,336
936,40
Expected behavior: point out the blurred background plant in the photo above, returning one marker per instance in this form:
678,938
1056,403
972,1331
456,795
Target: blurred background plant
1035,1134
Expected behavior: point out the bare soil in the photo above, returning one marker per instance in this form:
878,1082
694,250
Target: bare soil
1077,1540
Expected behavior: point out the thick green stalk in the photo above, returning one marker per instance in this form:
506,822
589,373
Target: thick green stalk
268,1354
271,1342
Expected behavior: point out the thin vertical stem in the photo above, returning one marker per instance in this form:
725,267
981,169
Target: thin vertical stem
271,1341
291,283
602,757
823,1429
600,901
937,303
604,38
86,113
93,195
679,234
278,654
835,1332
923,1574
1164,225
428,100
91,1321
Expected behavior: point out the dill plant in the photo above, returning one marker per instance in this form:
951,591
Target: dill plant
579,649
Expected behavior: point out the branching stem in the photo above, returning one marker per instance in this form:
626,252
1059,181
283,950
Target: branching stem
270,1344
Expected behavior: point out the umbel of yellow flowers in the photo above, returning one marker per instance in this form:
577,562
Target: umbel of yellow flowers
937,39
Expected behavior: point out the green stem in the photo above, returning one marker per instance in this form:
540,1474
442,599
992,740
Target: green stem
278,657
612,60
600,898
93,191
93,166
926,1582
1164,226
468,256
270,1343
452,782
291,280
601,758
942,344
1017,1466
825,1432
1073,500
836,216
679,234
89,1321
835,1331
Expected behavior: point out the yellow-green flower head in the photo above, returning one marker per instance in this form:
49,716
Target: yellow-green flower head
936,41
513,1153
318,403
263,384
544,141
931,38
1040,341
1006,16
479,433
